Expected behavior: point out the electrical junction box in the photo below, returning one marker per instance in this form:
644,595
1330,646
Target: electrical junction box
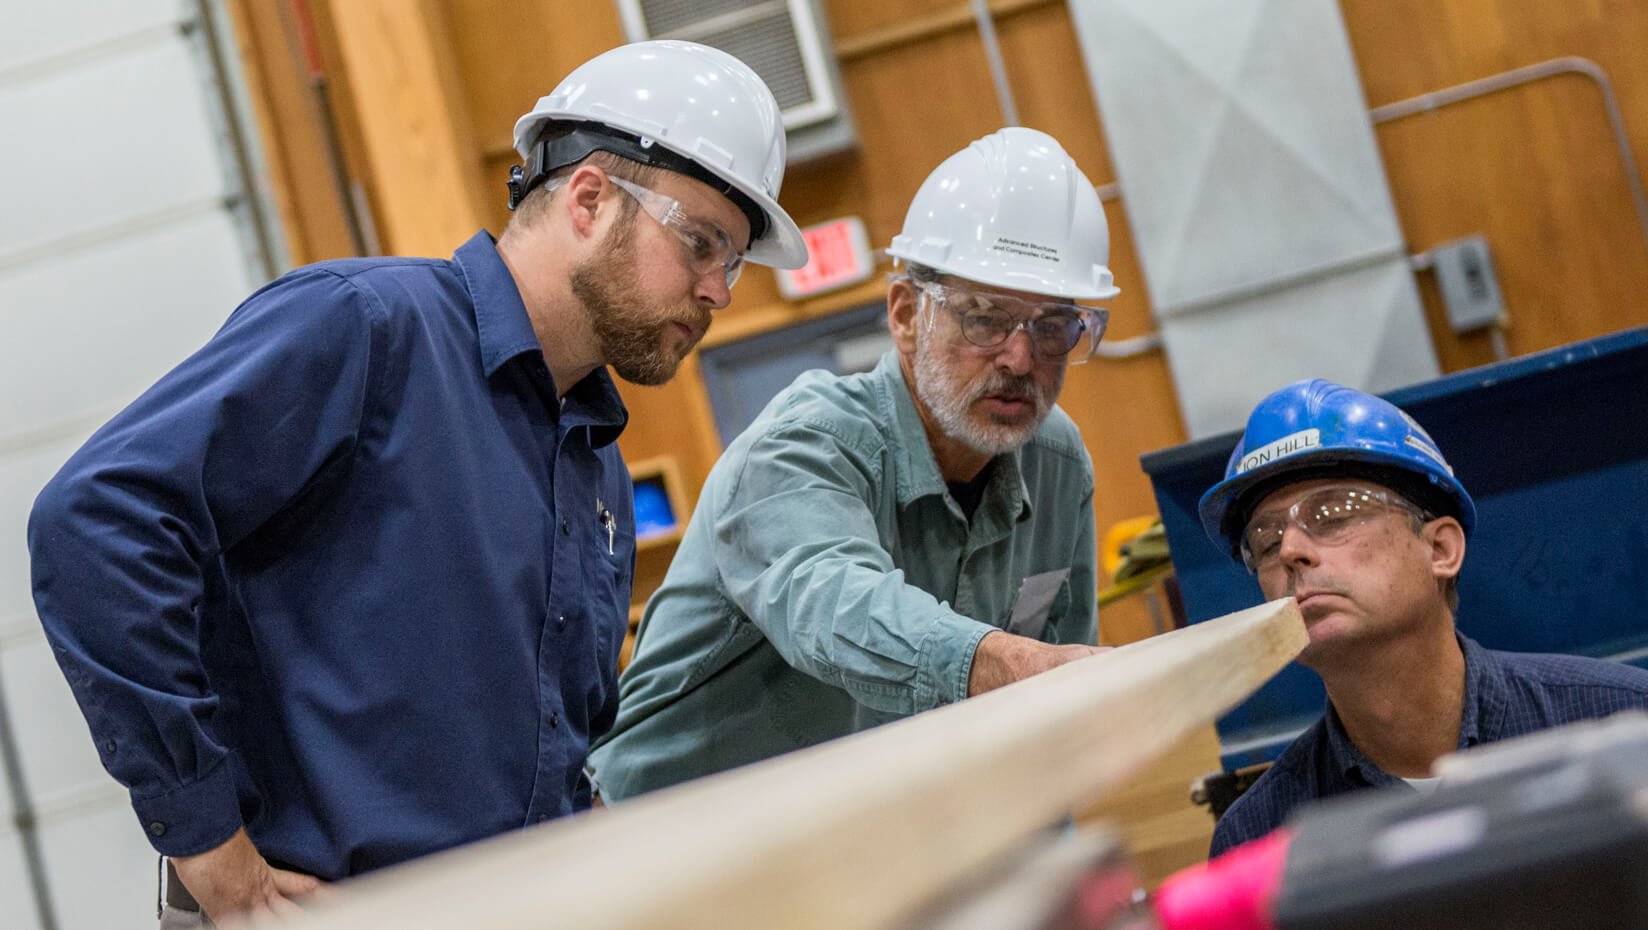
1470,289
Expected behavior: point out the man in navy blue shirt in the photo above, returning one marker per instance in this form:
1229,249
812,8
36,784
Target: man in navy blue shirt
1341,500
348,585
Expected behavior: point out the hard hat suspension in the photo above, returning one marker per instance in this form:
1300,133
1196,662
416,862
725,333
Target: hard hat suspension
567,143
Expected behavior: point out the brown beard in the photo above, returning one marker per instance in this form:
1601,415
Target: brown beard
633,337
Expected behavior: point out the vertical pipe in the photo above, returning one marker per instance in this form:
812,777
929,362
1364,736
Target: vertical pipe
998,70
351,196
23,816
247,201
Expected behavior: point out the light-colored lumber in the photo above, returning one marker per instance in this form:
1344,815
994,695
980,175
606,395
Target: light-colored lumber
855,833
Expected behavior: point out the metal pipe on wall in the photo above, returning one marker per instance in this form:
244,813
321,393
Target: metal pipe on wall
1504,80
998,69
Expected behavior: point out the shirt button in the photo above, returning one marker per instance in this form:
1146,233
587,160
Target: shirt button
554,721
109,746
560,627
539,818
157,829
565,529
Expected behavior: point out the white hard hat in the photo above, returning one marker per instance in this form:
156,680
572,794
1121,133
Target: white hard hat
1011,210
691,100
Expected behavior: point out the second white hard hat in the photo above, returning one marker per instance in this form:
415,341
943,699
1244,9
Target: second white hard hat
697,102
1012,210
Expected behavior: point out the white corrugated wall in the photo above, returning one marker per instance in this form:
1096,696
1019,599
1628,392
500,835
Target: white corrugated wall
123,246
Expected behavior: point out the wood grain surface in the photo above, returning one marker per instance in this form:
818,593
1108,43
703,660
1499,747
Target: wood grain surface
854,833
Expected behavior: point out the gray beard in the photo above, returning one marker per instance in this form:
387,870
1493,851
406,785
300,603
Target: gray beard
949,399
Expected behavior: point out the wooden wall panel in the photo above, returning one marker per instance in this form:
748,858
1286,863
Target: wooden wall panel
511,53
417,140
1533,168
292,124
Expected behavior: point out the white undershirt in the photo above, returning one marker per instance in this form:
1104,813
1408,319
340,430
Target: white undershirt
1425,786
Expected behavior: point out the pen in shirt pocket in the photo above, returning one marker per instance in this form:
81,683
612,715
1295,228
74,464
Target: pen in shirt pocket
608,521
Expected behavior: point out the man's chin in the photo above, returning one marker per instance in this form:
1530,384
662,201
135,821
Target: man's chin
649,373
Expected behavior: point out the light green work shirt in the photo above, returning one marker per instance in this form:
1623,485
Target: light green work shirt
828,582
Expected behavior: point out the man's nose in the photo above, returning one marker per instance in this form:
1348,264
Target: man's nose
712,289
1016,354
1297,548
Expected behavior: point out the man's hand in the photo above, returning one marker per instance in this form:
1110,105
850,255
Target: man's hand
233,882
1003,658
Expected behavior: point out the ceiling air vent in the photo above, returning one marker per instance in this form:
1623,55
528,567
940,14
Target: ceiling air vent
783,41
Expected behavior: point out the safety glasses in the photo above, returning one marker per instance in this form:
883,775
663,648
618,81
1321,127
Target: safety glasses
706,246
1329,516
1057,329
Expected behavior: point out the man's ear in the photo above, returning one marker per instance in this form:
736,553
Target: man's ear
903,313
583,198
1446,540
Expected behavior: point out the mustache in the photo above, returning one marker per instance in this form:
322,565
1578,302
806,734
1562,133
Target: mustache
1318,584
1001,382
697,317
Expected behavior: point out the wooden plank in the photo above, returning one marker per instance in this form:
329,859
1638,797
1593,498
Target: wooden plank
854,833
1162,830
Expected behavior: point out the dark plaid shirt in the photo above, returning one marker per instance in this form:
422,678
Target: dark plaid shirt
1507,694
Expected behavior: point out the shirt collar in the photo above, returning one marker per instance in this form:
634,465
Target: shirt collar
500,316
918,474
1486,692
505,333
594,402
1348,762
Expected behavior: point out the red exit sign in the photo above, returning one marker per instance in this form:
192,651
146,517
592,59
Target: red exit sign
838,254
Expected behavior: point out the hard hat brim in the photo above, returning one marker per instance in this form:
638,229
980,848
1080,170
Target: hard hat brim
1215,506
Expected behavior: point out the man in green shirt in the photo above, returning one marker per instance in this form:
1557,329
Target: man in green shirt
880,544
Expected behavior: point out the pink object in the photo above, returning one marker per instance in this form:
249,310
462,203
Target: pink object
1236,891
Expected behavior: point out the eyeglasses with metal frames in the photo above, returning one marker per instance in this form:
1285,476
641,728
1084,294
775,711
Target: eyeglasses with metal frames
1057,329
1328,515
707,247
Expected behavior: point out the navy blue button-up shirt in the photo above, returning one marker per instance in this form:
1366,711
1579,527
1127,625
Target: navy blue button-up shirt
1507,694
350,575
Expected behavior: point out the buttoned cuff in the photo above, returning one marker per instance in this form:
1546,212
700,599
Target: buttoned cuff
946,660
193,818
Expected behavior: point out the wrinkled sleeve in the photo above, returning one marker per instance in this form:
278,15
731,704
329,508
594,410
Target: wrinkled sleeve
799,551
123,540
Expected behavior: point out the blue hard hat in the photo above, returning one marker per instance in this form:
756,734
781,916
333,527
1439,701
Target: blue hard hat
1316,428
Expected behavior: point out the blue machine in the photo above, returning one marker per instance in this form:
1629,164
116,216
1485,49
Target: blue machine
1554,449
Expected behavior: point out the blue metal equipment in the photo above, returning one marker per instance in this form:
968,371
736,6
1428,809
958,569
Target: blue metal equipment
1553,447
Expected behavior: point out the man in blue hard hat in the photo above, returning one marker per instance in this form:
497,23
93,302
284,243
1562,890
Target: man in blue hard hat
1341,500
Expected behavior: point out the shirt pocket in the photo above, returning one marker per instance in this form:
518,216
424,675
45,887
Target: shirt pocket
1034,602
611,582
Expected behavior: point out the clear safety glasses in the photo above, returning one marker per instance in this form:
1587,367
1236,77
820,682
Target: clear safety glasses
707,247
1327,516
1058,329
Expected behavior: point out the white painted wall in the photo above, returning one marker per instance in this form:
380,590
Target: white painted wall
119,255
1256,198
